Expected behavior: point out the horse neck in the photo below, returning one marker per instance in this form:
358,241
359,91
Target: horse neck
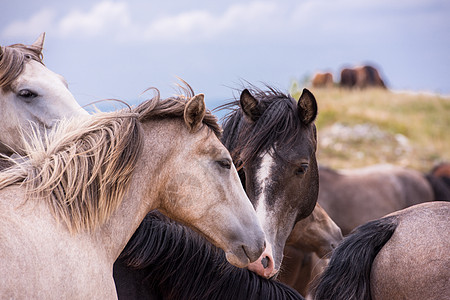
143,193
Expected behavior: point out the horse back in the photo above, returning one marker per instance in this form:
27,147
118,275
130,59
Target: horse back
414,263
348,273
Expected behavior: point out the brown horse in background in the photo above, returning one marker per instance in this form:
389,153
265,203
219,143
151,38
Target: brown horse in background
401,256
357,196
361,77
441,170
311,240
322,80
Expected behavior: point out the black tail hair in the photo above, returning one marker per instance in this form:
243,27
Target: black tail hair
347,276
440,185
171,261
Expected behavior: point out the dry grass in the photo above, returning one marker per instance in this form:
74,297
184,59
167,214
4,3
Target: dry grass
362,127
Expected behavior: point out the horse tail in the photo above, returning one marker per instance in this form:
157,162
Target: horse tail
348,273
440,186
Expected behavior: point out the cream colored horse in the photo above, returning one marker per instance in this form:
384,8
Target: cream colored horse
30,95
67,212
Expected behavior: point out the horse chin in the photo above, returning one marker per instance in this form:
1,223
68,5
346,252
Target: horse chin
240,261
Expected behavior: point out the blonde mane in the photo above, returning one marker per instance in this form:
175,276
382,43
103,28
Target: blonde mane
83,168
12,61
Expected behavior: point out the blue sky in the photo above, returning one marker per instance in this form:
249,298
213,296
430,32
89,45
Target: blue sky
117,49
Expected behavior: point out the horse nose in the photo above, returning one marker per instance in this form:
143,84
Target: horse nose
264,266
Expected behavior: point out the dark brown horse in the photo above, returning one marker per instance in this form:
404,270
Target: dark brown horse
439,179
361,77
401,256
354,197
441,170
272,140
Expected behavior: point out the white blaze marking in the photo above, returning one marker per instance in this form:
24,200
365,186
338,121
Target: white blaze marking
263,178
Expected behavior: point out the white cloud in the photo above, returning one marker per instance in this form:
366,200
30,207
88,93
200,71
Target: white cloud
199,24
103,17
115,19
38,23
309,19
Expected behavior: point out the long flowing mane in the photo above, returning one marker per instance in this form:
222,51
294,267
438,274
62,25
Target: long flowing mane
278,123
180,264
83,168
12,61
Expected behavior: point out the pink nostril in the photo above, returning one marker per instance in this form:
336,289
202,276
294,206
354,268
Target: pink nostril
264,266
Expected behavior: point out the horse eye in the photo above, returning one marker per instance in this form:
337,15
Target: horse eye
27,94
224,163
301,170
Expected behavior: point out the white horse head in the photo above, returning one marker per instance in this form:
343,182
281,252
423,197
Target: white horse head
30,94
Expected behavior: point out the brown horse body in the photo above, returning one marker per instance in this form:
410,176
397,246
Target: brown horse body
355,197
401,256
304,254
361,77
441,170
322,80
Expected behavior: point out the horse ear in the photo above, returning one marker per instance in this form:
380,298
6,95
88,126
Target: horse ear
39,43
249,105
194,112
307,107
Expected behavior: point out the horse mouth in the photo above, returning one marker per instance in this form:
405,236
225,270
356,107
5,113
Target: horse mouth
240,260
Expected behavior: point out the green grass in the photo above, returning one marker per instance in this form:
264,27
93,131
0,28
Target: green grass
423,119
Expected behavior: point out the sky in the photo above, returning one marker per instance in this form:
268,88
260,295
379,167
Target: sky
117,49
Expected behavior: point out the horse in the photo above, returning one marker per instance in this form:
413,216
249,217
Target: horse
273,140
440,186
67,211
30,95
439,179
441,170
308,245
273,123
401,256
354,197
322,80
361,77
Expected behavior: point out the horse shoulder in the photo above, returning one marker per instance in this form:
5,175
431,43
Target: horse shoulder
33,243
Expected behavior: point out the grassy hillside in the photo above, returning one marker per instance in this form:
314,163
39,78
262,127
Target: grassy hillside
362,127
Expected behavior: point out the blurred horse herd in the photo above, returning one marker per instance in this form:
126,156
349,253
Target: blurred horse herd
359,77
162,202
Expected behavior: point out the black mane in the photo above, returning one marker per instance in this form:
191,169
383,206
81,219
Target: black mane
278,122
177,263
